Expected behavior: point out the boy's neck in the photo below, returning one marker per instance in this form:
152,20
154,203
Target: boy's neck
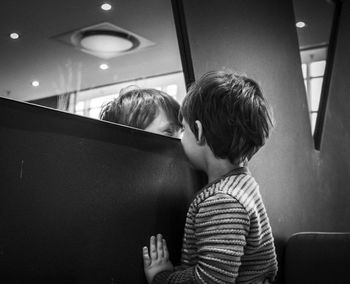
216,168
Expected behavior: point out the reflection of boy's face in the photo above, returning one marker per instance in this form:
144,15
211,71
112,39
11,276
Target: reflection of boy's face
162,125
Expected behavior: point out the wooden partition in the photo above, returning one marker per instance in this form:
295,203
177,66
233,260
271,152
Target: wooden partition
80,197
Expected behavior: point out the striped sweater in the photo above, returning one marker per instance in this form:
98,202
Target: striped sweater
227,236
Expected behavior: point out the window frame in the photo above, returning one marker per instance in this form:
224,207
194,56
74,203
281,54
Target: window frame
327,75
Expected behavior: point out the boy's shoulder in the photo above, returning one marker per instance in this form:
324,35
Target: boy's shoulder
236,187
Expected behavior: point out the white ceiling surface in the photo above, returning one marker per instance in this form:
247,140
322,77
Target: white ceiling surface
318,16
61,68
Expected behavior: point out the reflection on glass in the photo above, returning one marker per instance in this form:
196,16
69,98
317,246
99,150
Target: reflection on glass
79,108
313,39
313,120
89,103
317,68
70,73
315,93
96,105
94,112
313,78
172,90
304,69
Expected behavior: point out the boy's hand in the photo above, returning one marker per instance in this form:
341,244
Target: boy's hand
157,259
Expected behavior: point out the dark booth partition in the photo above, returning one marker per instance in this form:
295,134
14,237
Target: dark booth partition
80,197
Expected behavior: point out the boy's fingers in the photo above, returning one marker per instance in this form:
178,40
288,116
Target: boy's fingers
165,250
160,245
146,258
153,248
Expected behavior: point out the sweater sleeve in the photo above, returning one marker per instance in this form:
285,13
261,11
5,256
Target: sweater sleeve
221,225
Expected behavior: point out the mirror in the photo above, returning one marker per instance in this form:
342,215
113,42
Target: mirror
51,51
313,19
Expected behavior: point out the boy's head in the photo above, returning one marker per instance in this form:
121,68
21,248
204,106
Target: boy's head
147,109
233,114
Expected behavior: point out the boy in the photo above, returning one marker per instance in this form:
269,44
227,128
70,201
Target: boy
148,109
227,236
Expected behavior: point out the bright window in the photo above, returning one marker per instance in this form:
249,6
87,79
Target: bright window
90,102
313,67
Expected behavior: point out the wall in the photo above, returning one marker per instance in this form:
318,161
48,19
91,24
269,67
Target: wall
79,197
303,189
335,152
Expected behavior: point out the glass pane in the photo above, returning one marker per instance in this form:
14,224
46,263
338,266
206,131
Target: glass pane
98,102
91,101
94,112
317,68
172,90
315,93
65,62
313,24
304,67
313,118
79,107
317,17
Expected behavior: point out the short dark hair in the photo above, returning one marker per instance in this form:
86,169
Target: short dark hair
138,107
235,116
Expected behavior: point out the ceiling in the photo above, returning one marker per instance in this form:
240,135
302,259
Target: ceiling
61,68
38,55
318,16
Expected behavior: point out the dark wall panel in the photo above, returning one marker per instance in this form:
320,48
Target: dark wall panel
51,102
80,197
335,150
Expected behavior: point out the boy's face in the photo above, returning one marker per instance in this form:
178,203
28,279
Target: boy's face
162,125
190,145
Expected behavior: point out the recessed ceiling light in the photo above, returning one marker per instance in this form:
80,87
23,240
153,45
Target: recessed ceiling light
300,25
14,35
35,83
104,66
106,6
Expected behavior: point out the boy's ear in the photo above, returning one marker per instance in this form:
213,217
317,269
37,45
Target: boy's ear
200,137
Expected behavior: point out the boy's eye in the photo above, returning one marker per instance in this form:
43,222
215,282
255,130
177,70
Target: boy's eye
169,132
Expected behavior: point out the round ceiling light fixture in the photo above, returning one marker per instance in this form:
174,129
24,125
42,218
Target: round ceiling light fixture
300,25
14,35
106,6
35,83
104,66
105,43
